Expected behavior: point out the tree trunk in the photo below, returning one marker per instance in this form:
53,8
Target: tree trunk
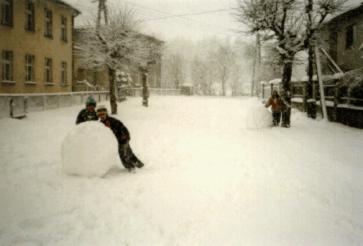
311,106
286,91
309,91
253,81
112,78
145,89
309,103
223,87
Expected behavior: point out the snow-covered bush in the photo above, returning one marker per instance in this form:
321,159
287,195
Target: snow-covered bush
90,150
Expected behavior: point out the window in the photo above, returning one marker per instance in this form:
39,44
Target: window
29,15
48,24
29,68
64,28
7,66
349,37
64,73
7,12
48,71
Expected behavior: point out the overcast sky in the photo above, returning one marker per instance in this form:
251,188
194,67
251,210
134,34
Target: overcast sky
219,22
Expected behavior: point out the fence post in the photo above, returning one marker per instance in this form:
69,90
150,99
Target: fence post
348,100
304,88
336,102
11,107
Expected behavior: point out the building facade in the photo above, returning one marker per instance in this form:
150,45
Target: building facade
342,37
36,46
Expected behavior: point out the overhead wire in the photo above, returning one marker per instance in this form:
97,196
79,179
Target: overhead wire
189,14
168,15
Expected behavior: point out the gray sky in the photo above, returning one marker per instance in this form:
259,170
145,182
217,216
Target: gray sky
219,23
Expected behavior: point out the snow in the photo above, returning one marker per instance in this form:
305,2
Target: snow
349,106
327,103
297,99
275,81
207,180
279,81
90,149
257,116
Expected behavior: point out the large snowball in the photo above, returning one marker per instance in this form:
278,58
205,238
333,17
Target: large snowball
90,150
257,116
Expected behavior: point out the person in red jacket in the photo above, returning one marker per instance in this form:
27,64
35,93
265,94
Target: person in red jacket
277,106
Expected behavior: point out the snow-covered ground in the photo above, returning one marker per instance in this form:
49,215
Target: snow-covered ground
208,180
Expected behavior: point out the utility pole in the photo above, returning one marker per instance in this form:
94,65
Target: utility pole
321,84
102,8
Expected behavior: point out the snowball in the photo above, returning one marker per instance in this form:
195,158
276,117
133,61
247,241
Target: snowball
90,150
257,116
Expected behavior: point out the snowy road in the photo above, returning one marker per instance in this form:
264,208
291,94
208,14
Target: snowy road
208,180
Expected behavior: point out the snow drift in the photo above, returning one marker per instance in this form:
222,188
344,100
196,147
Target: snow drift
90,149
257,116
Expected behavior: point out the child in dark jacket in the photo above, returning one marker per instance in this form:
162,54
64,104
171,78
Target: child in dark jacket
128,158
89,113
277,106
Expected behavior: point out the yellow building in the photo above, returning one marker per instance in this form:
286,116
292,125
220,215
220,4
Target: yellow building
36,46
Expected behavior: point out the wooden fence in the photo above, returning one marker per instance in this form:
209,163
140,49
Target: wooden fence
340,105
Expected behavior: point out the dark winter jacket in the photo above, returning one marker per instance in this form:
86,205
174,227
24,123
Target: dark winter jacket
118,128
85,115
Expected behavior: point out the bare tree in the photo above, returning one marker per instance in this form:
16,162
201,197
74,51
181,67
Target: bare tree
223,59
115,46
175,69
200,74
286,21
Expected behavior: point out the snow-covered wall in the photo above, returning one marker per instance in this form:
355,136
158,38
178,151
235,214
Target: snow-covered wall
24,103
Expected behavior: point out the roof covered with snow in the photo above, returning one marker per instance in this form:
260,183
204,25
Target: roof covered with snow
327,77
348,8
76,11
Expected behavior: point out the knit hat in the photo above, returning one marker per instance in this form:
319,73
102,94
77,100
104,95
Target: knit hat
91,101
102,108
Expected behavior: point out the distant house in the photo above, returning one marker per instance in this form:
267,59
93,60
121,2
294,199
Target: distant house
98,79
36,46
342,37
